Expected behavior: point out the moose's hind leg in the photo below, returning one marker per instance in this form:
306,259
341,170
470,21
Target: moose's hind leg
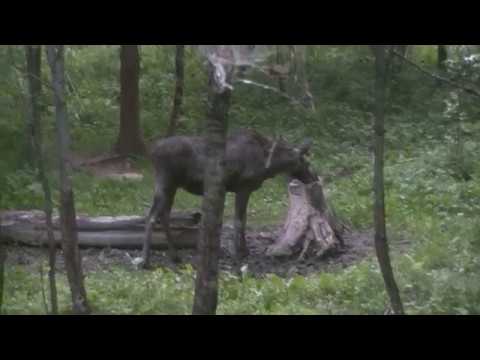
165,219
162,205
240,249
155,210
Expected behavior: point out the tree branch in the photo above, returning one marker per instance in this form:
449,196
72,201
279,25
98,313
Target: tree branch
468,90
270,88
23,73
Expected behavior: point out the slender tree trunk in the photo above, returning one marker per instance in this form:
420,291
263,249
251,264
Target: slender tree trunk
19,96
398,63
179,85
280,61
206,286
130,139
402,49
73,261
3,257
442,56
298,83
381,243
301,66
34,62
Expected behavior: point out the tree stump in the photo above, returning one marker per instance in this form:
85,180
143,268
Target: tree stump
310,223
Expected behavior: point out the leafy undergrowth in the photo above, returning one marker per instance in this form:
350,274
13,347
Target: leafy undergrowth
430,284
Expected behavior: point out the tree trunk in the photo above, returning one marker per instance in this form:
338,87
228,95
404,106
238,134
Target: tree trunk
298,82
3,257
309,220
280,60
381,243
402,49
306,95
179,85
398,64
34,62
73,261
442,56
206,285
130,140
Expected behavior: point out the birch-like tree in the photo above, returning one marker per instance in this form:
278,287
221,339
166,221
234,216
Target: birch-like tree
33,54
68,220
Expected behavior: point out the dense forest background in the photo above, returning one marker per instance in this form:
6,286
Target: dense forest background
431,175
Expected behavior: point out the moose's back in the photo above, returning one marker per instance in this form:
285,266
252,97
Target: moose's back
180,161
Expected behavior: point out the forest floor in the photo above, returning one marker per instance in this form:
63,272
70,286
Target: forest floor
106,166
358,245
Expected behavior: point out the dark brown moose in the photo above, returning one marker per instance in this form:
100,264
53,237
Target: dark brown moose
250,159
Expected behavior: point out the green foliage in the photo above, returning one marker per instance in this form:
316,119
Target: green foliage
21,191
428,203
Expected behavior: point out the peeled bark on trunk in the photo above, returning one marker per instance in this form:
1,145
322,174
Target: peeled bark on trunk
130,140
206,284
179,84
34,62
310,221
381,243
73,262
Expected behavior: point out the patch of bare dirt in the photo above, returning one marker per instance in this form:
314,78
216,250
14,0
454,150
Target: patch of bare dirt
107,166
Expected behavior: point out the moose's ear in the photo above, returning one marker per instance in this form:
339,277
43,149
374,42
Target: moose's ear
305,147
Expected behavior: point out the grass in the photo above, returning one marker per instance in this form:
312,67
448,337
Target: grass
426,202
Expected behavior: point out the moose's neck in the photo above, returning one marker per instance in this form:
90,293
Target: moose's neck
276,168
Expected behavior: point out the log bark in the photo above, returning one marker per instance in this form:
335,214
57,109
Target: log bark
310,221
131,240
124,232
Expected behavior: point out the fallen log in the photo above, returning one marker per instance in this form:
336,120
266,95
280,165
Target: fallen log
310,223
123,232
186,239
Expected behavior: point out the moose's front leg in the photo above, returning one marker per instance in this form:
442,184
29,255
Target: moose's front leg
240,248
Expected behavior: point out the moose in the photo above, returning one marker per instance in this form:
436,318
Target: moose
250,159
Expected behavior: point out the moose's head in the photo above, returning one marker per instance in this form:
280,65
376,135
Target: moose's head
283,157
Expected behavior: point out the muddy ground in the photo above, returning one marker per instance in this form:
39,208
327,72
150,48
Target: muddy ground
358,246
